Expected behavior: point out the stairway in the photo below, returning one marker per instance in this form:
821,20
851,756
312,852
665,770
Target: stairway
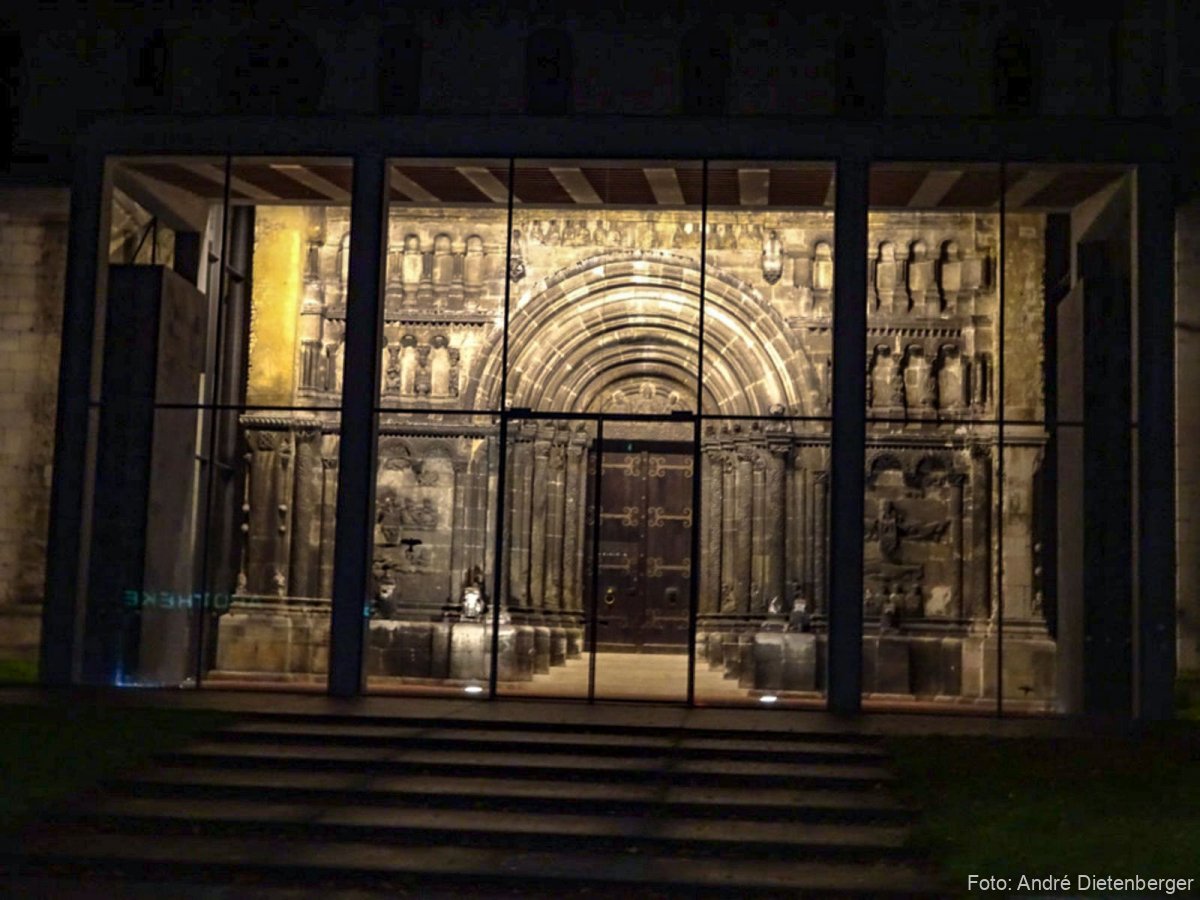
298,805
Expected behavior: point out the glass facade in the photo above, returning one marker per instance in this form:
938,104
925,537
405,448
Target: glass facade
603,428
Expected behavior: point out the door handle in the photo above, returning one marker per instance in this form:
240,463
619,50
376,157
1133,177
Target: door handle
610,597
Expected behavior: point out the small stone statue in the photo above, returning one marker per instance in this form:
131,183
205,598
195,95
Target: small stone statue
516,262
385,605
772,258
889,617
472,603
800,619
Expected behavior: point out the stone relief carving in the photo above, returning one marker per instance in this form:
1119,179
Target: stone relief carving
772,258
887,390
516,260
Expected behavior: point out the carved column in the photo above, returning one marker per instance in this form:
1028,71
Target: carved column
776,522
306,519
573,516
269,519
979,505
459,528
486,468
729,530
820,545
744,534
540,488
957,514
797,560
328,510
711,520
555,513
520,499
760,547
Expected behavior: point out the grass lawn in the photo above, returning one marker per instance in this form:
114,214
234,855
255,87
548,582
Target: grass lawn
1117,806
18,671
52,751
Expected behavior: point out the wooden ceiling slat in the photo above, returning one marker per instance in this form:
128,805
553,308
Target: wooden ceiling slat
275,182
537,184
799,187
976,189
444,182
342,176
723,187
893,186
623,185
1073,186
184,179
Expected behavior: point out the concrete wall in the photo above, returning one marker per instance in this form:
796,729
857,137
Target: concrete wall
1119,60
33,255
1187,430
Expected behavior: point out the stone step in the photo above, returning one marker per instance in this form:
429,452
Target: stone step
662,769
806,727
518,795
679,745
288,860
561,831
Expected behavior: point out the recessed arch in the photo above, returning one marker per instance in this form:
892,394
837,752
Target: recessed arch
623,313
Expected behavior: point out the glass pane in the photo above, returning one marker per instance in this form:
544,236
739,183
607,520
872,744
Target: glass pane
430,610
643,533
445,283
932,495
218,380
605,284
270,542
548,570
764,522
1067,376
768,299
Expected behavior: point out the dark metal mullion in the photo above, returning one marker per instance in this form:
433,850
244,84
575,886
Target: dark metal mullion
848,438
500,565
353,529
69,491
597,484
697,456
1155,446
214,424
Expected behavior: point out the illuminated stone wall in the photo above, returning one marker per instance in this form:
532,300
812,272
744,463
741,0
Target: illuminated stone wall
605,317
33,254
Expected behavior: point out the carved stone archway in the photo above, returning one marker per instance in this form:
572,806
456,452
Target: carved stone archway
626,315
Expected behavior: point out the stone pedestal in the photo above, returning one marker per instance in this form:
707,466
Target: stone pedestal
936,666
886,665
416,649
469,651
525,652
745,667
272,639
508,666
1029,667
439,666
541,649
730,655
799,661
558,646
768,660
574,643
713,650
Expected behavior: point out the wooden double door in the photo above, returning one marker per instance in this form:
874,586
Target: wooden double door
643,548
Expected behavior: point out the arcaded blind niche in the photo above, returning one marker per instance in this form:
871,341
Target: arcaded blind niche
604,415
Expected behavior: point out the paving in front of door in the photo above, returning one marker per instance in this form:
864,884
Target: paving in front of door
640,676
